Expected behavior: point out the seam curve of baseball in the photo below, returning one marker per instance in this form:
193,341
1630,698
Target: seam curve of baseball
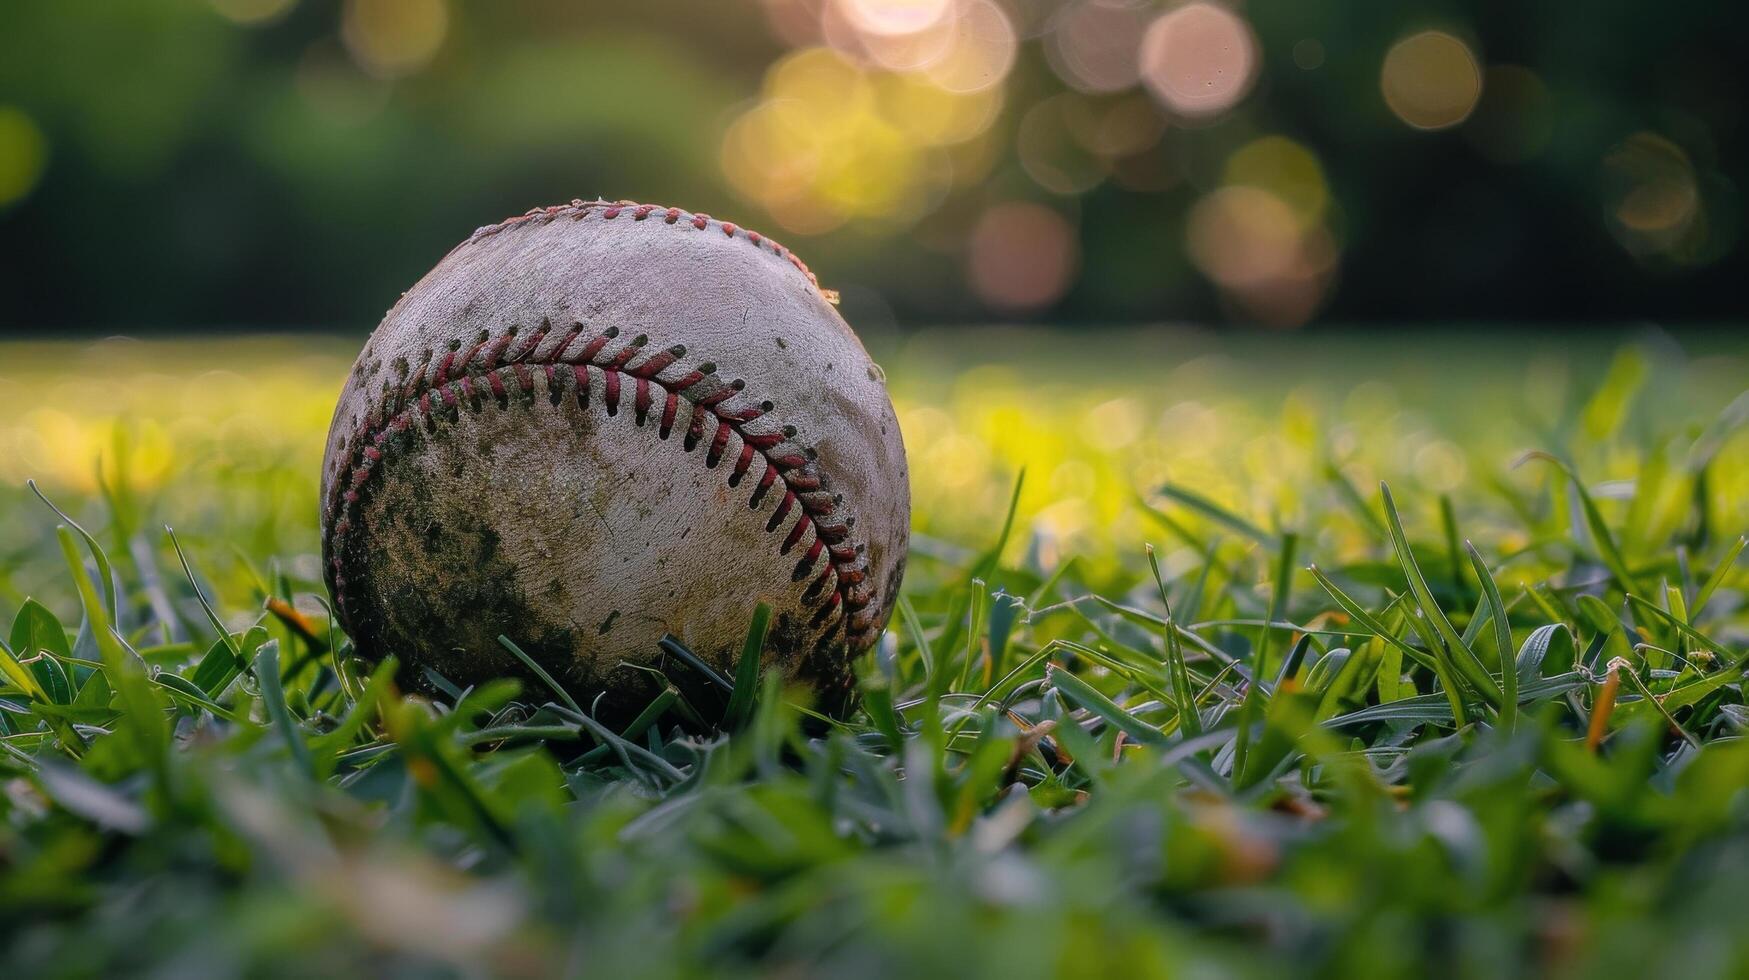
466,375
579,209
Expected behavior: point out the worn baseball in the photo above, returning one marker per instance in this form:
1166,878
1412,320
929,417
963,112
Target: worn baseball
597,424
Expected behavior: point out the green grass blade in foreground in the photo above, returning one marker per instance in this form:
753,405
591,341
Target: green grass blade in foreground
273,697
1281,586
1349,495
212,615
1502,637
1085,695
982,571
1435,709
1185,695
1453,552
20,676
681,652
1254,694
1358,613
746,689
1725,655
104,570
1465,660
1716,579
1437,663
658,707
1632,678
541,672
1719,431
141,713
1533,655
1218,514
1607,551
627,750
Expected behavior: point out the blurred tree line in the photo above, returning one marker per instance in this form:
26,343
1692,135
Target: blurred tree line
243,163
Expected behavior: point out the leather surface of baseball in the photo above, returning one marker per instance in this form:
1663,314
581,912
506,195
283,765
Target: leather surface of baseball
599,423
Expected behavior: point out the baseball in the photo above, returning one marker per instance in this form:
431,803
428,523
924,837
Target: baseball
600,423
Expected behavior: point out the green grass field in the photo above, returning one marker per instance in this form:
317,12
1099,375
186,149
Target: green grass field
1177,687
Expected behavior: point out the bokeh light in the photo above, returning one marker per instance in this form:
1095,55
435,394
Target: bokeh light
24,153
983,51
880,125
829,142
1651,194
1260,251
1023,257
1286,169
1431,80
1092,45
1122,128
1239,236
881,119
1199,60
900,51
392,38
895,17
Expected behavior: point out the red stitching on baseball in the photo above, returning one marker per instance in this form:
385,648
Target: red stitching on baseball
670,406
765,483
610,377
718,443
845,569
783,507
741,464
587,354
641,399
794,535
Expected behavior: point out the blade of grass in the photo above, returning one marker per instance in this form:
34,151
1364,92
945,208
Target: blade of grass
104,571
1716,579
541,672
1220,515
627,750
1626,670
273,697
1454,555
1087,696
141,711
1437,663
1278,599
1465,660
673,647
1188,722
1607,551
1502,638
212,615
746,687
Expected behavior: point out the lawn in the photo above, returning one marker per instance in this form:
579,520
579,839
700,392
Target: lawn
1347,654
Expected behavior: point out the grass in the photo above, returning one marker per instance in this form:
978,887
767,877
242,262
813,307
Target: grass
1344,656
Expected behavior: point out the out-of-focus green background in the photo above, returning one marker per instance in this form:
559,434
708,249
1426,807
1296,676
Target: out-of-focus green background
242,163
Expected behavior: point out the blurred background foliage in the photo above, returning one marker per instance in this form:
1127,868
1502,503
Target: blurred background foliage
241,163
